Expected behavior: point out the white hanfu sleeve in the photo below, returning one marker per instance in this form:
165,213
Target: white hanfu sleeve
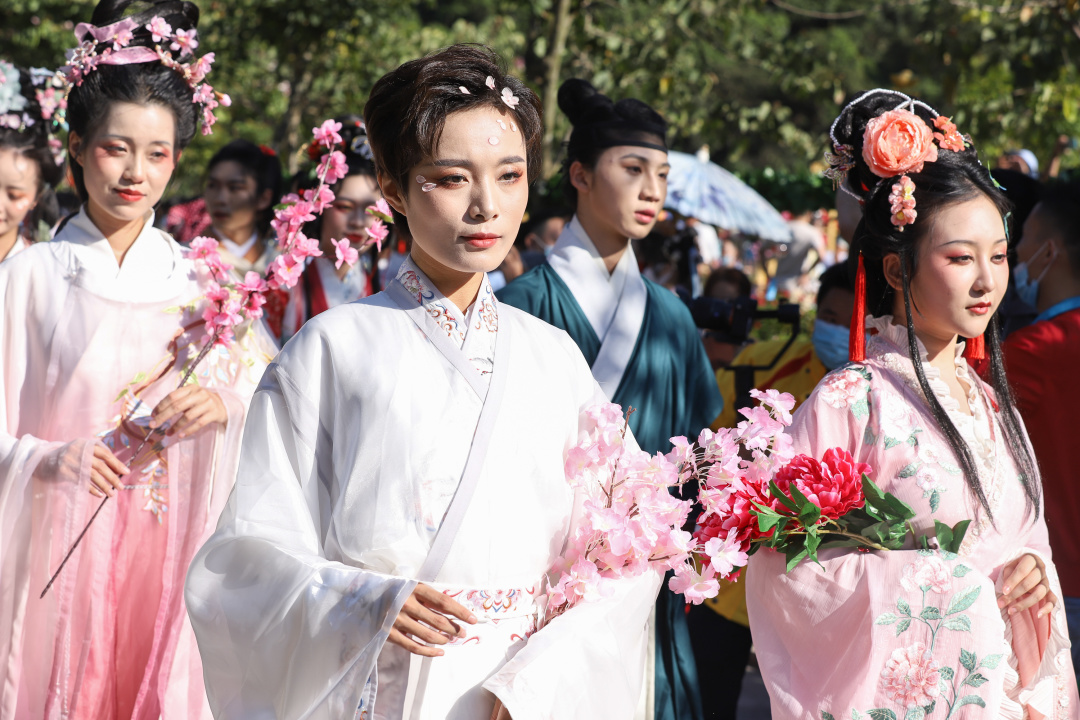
283,631
588,662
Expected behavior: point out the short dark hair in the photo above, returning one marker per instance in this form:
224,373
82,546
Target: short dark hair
836,277
260,163
408,107
731,276
139,83
1060,205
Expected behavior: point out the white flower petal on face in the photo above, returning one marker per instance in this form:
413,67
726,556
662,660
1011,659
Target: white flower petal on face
493,140
428,187
421,179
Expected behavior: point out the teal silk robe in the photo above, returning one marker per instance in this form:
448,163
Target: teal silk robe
671,385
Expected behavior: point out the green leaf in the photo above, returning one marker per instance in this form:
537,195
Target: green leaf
974,680
855,714
139,377
909,470
172,309
800,500
930,613
890,443
960,623
795,556
826,716
963,599
990,662
885,619
929,709
881,714
767,522
935,501
960,571
121,395
944,534
970,700
902,626
782,497
813,540
902,606
861,409
810,513
869,438
959,530
947,673
968,660
915,713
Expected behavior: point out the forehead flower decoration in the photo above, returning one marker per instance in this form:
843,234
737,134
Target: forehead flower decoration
111,45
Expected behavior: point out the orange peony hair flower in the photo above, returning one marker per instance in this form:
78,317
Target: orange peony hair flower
898,142
949,138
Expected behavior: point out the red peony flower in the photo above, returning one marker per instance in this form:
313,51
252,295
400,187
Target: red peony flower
833,483
898,142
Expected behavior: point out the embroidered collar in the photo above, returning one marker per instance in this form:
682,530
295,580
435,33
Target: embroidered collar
482,315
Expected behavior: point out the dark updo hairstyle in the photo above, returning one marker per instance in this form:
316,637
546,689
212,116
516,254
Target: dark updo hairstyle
955,177
260,163
408,107
32,142
358,161
139,83
600,124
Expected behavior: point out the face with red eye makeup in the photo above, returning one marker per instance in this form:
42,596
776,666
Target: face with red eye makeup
465,222
127,163
18,192
961,273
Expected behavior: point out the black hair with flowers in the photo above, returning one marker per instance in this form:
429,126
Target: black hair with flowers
952,177
26,123
409,105
140,83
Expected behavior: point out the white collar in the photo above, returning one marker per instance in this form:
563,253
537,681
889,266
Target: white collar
238,251
578,263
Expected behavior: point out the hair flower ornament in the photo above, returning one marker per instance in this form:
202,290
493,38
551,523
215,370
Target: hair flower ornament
841,160
902,203
510,98
949,138
111,45
898,142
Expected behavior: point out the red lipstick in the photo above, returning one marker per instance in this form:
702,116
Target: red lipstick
482,241
130,196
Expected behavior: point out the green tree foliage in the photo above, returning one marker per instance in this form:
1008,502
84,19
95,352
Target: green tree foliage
759,81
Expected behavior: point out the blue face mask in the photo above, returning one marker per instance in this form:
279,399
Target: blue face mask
1027,289
830,343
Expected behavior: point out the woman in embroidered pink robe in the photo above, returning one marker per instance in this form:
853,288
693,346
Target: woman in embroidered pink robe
921,633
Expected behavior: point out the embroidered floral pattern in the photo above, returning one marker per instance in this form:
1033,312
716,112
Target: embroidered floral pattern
848,388
911,677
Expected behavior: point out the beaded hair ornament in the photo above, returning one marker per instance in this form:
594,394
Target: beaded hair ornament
895,143
111,45
19,114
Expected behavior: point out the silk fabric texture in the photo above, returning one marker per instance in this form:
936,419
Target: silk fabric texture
357,438
907,630
110,639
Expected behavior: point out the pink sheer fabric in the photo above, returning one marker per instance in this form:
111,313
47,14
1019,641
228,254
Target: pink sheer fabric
111,638
911,634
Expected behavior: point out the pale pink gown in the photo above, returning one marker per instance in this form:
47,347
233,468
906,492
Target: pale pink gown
83,340
911,634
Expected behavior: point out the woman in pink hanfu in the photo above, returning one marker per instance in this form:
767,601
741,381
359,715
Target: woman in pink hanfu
97,328
921,633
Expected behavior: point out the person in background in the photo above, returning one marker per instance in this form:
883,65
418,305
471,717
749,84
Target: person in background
722,621
805,250
538,238
28,169
637,336
243,183
708,241
1041,359
724,284
325,282
1024,192
1022,161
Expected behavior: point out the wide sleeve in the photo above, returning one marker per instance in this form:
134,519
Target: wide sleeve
589,661
283,631
871,634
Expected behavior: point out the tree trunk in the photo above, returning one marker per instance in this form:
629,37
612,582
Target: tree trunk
563,20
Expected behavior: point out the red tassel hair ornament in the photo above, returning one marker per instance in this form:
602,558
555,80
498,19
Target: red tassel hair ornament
975,349
857,336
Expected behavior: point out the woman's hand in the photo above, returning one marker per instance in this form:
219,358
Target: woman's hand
1026,585
106,472
190,409
426,617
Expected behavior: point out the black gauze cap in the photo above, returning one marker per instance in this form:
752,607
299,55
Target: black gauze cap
600,123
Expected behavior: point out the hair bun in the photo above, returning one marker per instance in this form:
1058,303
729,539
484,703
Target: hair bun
179,14
583,103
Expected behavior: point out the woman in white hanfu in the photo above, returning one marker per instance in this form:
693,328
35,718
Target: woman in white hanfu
401,493
97,328
922,632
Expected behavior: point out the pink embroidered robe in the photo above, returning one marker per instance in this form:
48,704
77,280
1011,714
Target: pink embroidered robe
911,634
84,341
